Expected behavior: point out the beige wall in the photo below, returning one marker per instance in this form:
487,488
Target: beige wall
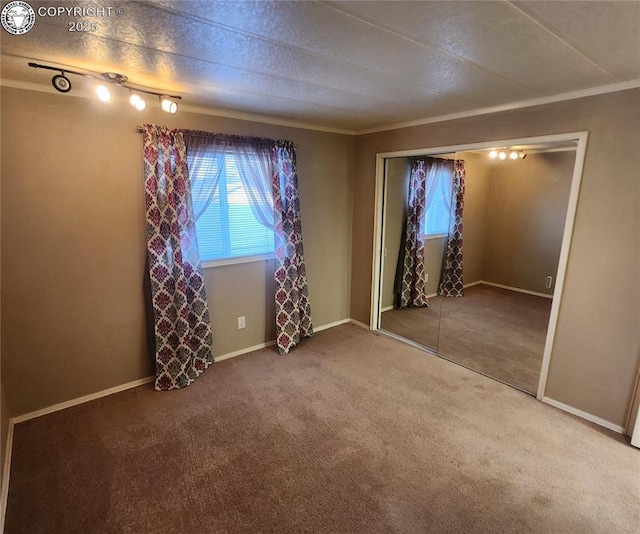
73,244
597,346
474,218
525,214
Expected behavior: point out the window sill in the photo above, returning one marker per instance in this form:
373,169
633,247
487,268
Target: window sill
240,259
435,236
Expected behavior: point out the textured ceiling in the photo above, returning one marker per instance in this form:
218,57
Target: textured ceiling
346,65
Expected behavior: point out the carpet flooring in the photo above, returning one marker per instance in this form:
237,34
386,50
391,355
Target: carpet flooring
353,432
495,331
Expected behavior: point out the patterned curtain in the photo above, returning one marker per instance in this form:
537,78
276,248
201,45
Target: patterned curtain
183,339
413,291
451,282
293,310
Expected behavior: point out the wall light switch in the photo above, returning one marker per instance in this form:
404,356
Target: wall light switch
549,282
241,323
426,277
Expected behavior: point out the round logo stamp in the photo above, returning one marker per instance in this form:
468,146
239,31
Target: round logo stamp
18,17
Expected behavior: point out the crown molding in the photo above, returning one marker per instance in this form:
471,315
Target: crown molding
572,95
264,119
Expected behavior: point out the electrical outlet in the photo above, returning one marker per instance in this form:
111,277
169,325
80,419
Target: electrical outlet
241,323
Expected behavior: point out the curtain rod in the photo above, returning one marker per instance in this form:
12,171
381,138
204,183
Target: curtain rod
199,133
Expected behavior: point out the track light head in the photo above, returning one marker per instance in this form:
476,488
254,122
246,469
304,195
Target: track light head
137,102
493,154
168,105
513,155
502,154
61,83
103,93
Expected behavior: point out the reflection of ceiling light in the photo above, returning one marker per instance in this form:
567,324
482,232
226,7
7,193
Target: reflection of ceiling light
103,93
62,84
503,153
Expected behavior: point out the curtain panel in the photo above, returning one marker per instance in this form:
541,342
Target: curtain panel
268,171
426,174
293,309
451,281
182,328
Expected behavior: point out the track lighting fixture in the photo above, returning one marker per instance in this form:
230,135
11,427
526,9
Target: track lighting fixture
502,154
493,154
62,84
513,155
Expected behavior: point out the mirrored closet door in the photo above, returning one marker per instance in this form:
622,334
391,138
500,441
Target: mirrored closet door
470,248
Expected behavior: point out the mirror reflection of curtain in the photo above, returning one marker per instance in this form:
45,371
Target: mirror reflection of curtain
426,175
451,282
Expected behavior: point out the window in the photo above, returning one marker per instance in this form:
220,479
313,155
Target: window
228,227
437,214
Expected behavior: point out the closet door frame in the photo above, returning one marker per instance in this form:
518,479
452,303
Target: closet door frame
378,246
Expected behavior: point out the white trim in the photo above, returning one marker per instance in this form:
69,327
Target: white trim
361,325
580,137
517,289
468,147
190,108
635,437
82,400
330,325
563,261
378,242
584,415
240,352
572,95
471,284
386,308
6,472
208,264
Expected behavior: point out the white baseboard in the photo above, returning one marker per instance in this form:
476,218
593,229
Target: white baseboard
330,325
358,323
243,351
387,308
6,472
517,289
82,400
584,415
471,284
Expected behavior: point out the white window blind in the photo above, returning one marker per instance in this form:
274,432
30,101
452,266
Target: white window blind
439,210
228,228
